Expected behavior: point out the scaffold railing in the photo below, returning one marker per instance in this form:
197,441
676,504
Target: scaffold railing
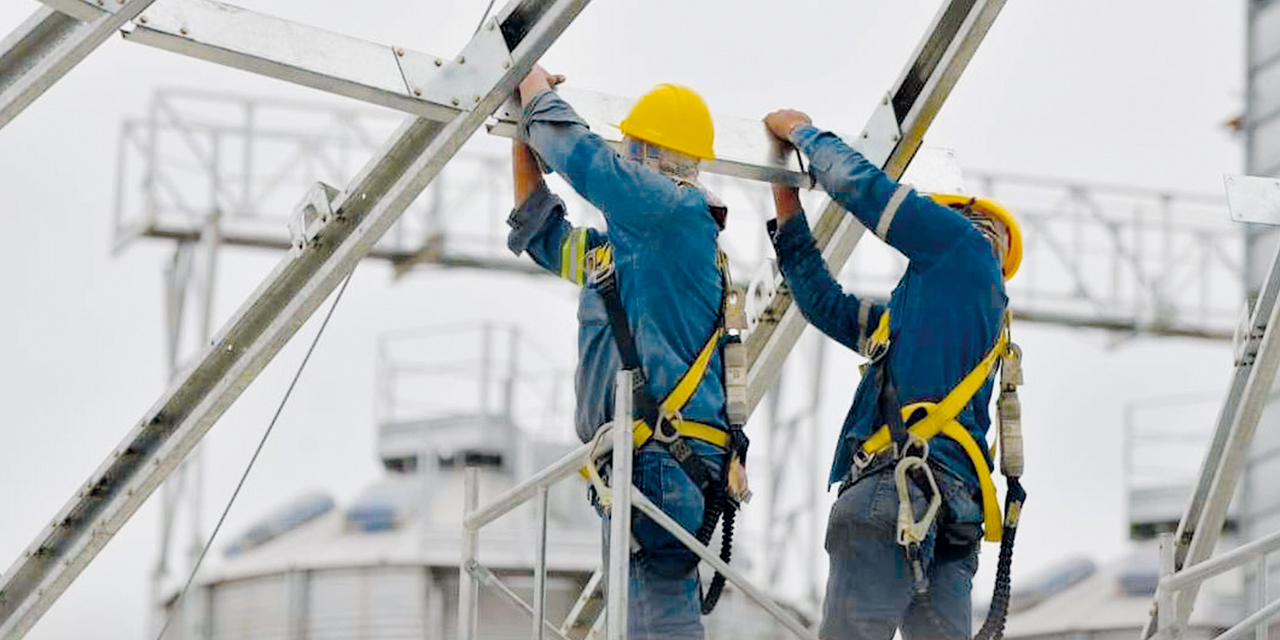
473,575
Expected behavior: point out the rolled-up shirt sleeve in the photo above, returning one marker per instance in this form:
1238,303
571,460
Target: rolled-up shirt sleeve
539,228
634,199
844,317
920,228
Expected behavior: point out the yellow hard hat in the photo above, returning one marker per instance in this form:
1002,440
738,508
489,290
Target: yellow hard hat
991,209
674,117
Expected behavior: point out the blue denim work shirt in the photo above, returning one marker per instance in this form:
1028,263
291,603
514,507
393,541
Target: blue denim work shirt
664,247
945,312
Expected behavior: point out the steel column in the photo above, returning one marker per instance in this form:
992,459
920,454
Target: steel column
540,565
468,587
620,512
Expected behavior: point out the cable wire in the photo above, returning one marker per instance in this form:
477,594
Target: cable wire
168,619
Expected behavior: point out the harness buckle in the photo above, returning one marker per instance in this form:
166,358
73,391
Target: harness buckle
598,265
600,276
666,429
862,459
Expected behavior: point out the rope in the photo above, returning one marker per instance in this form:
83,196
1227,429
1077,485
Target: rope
168,619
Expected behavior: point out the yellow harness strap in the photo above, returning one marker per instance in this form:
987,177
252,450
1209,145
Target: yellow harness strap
641,433
684,389
687,428
940,417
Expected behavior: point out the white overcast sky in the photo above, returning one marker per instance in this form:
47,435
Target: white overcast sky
1129,92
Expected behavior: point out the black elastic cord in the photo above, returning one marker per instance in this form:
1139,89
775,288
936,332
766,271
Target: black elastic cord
712,596
993,626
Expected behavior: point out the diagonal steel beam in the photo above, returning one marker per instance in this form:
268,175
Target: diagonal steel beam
339,228
1257,359
939,60
45,47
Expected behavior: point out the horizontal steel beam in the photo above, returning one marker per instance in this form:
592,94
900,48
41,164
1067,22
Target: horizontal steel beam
394,77
402,260
225,34
45,47
335,240
566,466
743,146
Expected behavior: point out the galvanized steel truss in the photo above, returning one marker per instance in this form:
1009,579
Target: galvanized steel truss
333,229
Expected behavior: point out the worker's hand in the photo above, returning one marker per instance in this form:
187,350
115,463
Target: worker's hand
783,121
536,82
786,202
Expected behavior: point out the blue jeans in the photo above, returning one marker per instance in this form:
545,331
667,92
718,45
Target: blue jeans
662,597
870,588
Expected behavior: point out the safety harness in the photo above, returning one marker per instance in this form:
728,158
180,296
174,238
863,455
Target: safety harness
906,434
662,421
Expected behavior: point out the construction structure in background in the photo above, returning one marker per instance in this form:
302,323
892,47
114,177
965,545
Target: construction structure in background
384,566
1168,271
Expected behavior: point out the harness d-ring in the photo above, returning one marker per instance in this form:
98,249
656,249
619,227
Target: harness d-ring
668,420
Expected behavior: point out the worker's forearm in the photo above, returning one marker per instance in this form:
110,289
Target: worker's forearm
525,175
786,203
820,298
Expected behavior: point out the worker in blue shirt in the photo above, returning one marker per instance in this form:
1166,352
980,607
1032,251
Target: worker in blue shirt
944,318
661,233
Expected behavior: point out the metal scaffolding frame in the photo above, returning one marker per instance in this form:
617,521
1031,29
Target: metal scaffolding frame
1185,558
331,229
623,497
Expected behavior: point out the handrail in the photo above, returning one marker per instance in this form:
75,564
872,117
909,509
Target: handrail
1169,625
474,575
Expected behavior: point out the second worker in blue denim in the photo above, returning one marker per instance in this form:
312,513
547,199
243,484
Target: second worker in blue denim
942,318
661,236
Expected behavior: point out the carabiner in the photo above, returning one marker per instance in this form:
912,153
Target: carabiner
910,530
